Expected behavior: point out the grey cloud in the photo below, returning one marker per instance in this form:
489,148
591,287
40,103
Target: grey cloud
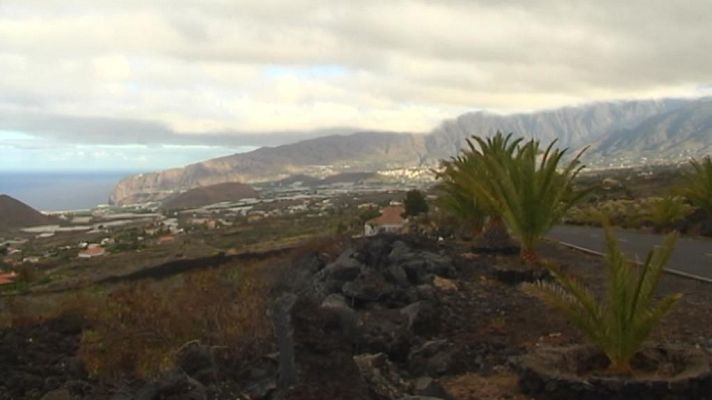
112,131
409,62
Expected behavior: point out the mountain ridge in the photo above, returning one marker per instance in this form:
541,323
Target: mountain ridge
322,156
603,125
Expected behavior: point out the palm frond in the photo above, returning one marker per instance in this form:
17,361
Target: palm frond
620,323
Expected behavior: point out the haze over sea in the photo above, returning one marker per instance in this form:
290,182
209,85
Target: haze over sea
57,191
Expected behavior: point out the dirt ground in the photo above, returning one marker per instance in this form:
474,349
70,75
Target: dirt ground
490,320
494,321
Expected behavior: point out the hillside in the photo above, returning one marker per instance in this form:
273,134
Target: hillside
574,127
618,132
298,179
322,156
15,214
683,132
347,177
206,195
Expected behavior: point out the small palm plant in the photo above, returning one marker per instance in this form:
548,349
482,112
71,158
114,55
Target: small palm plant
699,185
459,202
520,184
621,323
460,172
529,190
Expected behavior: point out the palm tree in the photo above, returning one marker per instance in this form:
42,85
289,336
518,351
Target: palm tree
699,184
620,324
529,190
468,171
458,201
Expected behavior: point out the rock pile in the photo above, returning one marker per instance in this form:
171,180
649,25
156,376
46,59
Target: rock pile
381,297
363,326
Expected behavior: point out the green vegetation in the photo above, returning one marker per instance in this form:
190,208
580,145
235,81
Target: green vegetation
660,213
459,202
521,183
367,214
467,172
698,188
415,203
666,211
623,321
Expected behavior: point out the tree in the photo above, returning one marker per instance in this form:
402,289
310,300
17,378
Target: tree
368,214
459,202
520,184
415,203
532,192
621,323
466,171
698,189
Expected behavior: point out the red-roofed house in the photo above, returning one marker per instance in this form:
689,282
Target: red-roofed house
93,250
166,239
7,277
390,220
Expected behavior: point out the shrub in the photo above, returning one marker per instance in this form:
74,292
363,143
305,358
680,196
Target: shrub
698,189
415,203
623,321
666,211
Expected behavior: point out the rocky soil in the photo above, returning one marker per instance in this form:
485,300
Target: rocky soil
392,317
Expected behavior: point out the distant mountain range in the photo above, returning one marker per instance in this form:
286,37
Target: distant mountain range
15,214
622,132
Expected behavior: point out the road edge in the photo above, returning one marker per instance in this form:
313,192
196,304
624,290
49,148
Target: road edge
672,271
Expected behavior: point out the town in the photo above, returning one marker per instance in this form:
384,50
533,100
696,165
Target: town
107,238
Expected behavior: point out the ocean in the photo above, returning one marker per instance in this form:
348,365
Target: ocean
58,191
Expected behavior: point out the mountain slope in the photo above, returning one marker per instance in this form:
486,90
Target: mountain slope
676,134
321,156
206,195
573,126
661,128
16,214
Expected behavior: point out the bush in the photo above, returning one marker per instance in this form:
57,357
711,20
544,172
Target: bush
415,203
666,211
698,189
660,212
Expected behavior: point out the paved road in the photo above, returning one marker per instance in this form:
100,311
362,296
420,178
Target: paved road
691,256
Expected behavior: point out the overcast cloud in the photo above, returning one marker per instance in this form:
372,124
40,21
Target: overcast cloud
244,73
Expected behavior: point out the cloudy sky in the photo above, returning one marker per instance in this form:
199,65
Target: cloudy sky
136,84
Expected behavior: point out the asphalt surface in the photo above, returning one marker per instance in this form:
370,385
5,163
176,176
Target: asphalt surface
692,256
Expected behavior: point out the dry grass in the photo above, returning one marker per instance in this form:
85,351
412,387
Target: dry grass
138,329
135,330
328,246
498,386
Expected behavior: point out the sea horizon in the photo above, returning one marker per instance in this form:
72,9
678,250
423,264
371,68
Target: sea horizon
61,190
